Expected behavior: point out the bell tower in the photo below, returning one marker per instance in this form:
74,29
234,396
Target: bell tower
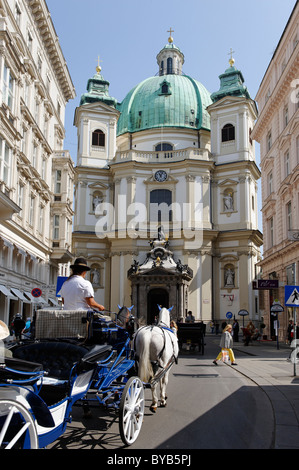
96,120
234,193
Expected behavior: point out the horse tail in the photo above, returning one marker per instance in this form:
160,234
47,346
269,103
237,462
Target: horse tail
145,370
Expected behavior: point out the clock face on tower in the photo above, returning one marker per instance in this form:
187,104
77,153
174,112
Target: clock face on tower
160,176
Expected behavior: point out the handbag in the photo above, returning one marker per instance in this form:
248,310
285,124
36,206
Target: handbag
225,356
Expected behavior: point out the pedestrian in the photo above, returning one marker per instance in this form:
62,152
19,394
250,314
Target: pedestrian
174,327
226,344
223,325
290,331
77,292
212,326
190,318
236,331
18,326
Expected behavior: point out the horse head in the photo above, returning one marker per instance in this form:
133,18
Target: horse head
124,315
164,316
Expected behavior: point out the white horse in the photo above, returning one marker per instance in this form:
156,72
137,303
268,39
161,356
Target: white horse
156,349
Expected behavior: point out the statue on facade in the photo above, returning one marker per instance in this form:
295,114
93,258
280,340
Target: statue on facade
229,277
228,202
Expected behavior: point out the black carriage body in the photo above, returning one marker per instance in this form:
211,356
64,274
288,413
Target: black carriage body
193,334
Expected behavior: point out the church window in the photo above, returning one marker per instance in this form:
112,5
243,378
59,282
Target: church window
228,133
163,147
162,68
165,88
160,205
98,138
169,66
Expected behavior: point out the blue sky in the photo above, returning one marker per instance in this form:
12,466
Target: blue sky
128,34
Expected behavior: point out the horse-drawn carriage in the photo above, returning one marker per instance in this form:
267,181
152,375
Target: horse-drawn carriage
192,334
64,364
49,374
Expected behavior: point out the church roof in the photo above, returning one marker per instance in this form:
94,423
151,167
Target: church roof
98,90
165,101
231,84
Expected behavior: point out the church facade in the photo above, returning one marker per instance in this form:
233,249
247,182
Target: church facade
166,193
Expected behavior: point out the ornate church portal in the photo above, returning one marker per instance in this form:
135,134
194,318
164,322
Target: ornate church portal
170,156
161,280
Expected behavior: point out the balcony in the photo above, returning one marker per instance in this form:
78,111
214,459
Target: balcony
7,206
143,156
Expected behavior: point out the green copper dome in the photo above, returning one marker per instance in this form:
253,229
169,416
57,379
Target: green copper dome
169,100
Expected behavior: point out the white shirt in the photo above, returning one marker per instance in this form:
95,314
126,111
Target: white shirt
74,291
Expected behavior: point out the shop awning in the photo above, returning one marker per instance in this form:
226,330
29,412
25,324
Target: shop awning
54,301
20,295
7,292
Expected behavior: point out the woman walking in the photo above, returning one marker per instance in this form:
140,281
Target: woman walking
226,344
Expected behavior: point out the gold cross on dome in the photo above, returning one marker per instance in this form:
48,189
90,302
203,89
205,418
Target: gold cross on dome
99,68
170,39
231,60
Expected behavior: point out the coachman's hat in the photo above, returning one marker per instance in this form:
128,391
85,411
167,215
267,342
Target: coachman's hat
80,263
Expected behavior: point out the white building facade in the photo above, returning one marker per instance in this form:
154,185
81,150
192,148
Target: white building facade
277,131
166,194
36,174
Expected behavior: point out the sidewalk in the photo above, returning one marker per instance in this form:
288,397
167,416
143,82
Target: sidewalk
269,367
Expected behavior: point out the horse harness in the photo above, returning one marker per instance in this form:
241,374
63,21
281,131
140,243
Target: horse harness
155,364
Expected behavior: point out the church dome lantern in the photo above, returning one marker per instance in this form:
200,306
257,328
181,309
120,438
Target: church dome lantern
170,99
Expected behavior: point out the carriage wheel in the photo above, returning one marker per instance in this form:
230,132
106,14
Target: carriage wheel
17,426
131,410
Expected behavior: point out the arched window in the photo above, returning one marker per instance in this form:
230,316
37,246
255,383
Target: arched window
98,138
169,66
160,205
164,147
228,133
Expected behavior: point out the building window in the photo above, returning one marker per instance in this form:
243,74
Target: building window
57,189
165,88
289,216
29,41
98,138
5,162
269,141
286,116
160,205
56,222
8,87
271,232
270,183
169,66
287,163
20,195
228,133
18,14
291,274
31,210
163,147
41,219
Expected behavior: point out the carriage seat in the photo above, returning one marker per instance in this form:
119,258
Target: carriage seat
15,370
57,358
